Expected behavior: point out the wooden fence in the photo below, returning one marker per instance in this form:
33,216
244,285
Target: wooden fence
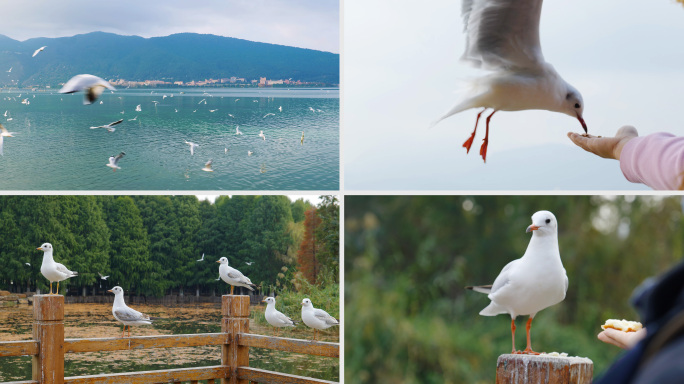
49,346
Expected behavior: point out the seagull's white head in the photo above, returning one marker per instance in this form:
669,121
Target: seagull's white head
574,105
543,223
116,290
222,260
269,300
46,247
307,303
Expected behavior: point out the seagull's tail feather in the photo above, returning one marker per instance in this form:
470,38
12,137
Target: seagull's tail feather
486,289
460,107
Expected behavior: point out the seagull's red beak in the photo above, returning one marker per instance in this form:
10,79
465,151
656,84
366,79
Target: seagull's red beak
532,228
584,125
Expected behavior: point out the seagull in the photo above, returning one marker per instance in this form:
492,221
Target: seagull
268,114
236,100
51,270
39,50
275,317
6,113
302,139
192,147
312,110
535,281
4,133
202,259
122,112
207,166
249,262
503,37
213,110
102,277
203,100
110,126
29,264
10,70
164,97
231,115
233,277
138,108
126,315
237,130
175,110
101,102
92,85
261,134
225,150
133,119
249,153
114,161
316,318
280,108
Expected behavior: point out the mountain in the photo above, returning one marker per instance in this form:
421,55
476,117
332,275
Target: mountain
179,57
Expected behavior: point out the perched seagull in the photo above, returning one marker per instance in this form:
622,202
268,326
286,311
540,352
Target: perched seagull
233,277
202,259
261,134
133,119
535,281
192,147
114,161
39,50
207,166
302,139
101,102
126,315
92,85
275,317
503,37
51,270
269,114
110,126
102,277
138,108
249,153
316,318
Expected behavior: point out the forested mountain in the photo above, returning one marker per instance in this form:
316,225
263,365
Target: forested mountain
178,57
149,245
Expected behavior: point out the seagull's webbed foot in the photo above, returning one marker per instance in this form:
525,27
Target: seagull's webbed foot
529,351
468,143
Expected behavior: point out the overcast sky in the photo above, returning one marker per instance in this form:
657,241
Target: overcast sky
310,24
402,71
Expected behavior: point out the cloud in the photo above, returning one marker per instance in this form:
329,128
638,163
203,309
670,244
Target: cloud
301,23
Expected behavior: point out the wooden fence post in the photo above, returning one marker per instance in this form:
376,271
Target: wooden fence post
543,369
235,312
48,331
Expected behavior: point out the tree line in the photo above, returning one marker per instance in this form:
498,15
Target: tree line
149,245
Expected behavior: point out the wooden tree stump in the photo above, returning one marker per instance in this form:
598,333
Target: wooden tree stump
235,313
48,330
543,369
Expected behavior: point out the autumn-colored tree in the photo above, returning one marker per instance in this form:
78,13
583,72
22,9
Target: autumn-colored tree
311,246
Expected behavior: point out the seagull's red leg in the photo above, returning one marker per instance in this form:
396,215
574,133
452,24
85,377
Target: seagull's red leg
483,148
469,142
129,331
529,350
123,331
513,334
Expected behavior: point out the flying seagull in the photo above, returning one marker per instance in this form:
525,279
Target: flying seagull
202,259
138,108
102,277
39,50
192,146
535,281
91,85
237,130
54,272
110,126
261,134
269,114
502,37
4,133
114,161
207,166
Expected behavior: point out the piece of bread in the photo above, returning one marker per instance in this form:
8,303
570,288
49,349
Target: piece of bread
622,325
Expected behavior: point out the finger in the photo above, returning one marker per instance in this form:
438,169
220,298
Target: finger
580,140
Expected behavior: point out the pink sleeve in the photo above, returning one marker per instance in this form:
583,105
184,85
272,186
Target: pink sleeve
656,160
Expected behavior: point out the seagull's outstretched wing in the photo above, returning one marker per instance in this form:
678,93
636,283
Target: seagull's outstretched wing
502,33
116,122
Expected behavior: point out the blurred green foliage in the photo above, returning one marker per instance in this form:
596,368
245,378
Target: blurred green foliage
408,258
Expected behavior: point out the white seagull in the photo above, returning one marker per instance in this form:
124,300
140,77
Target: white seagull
280,108
102,276
4,133
110,126
54,272
10,70
261,134
535,281
207,166
202,259
316,318
237,130
39,50
275,317
231,115
233,277
138,108
114,161
192,146
502,36
29,264
133,119
249,153
125,314
269,114
213,110
93,87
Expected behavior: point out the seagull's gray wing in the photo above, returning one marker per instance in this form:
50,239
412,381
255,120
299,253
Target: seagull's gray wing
281,317
116,122
116,158
324,316
503,277
81,82
502,33
130,314
65,270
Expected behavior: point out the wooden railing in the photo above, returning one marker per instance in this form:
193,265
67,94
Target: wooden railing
49,346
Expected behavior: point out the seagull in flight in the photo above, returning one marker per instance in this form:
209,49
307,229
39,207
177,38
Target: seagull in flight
249,262
207,166
10,70
110,126
138,108
261,134
103,277
39,50
231,115
133,119
203,100
29,264
249,153
4,133
93,87
192,147
237,130
503,37
213,110
202,259
114,161
269,114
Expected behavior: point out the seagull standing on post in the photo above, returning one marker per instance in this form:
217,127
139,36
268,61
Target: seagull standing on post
233,277
51,270
535,281
502,36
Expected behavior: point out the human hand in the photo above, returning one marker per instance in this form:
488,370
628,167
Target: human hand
624,340
606,147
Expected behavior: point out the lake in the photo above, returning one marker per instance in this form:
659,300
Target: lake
55,149
95,320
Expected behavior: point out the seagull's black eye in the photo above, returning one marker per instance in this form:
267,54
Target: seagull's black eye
548,221
577,105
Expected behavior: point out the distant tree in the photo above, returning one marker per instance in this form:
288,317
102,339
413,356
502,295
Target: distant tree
310,248
207,240
299,206
329,234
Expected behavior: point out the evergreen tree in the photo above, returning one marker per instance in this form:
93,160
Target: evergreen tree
310,247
